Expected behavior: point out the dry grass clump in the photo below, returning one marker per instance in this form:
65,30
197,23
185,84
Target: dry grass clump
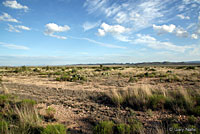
21,117
146,97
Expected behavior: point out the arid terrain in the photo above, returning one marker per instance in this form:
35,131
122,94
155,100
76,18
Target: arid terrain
158,99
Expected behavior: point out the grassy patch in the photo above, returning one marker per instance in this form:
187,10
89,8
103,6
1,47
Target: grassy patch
71,78
179,101
21,117
54,129
108,127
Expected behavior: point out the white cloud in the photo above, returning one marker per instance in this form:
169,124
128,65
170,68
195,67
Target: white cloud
191,26
113,29
52,28
141,14
7,17
121,17
180,32
155,44
183,17
23,27
17,28
94,5
12,46
135,14
164,28
13,4
122,38
90,25
198,26
101,32
112,10
11,28
98,43
104,44
194,36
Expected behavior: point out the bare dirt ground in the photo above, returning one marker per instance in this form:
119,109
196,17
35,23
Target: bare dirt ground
80,106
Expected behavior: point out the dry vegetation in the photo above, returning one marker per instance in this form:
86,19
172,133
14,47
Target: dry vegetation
100,99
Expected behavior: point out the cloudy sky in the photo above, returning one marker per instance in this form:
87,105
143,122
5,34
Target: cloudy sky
59,32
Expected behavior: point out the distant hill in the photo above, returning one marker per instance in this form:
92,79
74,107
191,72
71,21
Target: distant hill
193,62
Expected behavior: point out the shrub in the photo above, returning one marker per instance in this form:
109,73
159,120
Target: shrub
180,67
36,70
157,102
74,70
108,127
4,99
72,78
28,116
132,79
54,129
136,127
116,97
47,68
104,127
106,68
169,71
4,127
50,112
192,119
190,68
151,69
28,102
196,110
63,78
122,129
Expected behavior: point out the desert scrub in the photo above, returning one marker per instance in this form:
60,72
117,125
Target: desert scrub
18,116
36,70
71,78
104,127
156,102
28,102
171,78
132,79
4,127
190,68
116,97
108,127
50,112
192,119
179,101
21,69
54,129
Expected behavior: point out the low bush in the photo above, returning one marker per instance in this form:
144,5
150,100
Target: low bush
156,102
133,79
196,110
28,102
4,127
190,68
179,101
104,127
54,129
50,112
71,78
36,70
108,127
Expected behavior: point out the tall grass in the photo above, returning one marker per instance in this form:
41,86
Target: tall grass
21,117
146,97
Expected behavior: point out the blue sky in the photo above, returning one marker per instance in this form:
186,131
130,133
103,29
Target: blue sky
40,32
